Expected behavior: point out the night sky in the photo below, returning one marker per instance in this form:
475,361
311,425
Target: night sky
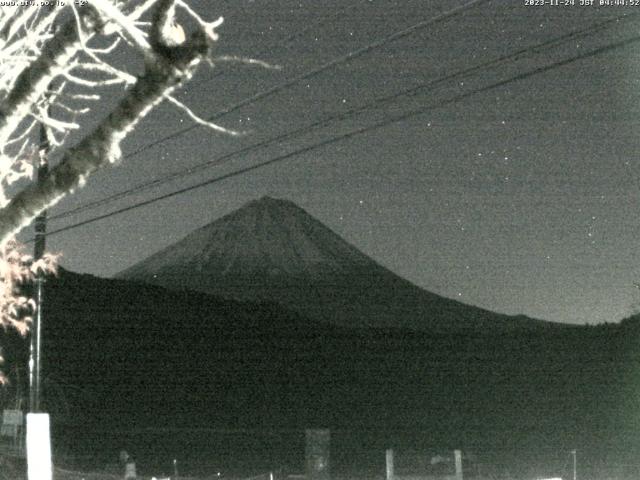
518,199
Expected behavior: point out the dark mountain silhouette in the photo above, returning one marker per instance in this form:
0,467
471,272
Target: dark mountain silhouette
272,250
118,354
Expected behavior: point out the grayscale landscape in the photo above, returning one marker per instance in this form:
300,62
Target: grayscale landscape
406,250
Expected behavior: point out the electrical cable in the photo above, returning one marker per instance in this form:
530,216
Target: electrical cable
316,71
358,131
339,116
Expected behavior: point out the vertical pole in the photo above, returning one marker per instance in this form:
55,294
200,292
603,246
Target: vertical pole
38,435
38,424
458,459
575,464
40,235
40,244
389,458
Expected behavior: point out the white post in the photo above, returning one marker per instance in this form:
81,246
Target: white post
458,458
38,447
389,456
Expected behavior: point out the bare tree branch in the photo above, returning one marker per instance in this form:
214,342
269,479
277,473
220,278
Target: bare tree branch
34,80
166,67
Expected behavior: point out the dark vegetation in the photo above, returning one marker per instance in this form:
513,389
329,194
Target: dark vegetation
181,366
121,354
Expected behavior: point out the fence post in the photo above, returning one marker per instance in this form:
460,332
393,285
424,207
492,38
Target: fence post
389,456
317,454
38,447
458,459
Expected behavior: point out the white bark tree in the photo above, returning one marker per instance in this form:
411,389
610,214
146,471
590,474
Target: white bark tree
54,65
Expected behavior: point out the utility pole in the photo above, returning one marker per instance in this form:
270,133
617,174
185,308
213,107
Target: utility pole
44,146
38,439
40,244
575,464
38,431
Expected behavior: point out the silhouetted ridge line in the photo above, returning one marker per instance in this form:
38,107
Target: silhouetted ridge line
272,250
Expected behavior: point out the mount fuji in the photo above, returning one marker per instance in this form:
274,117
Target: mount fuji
272,250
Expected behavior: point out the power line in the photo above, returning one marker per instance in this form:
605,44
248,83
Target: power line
345,114
359,131
316,71
347,57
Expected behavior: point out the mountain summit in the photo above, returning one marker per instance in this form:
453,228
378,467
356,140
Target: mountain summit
272,250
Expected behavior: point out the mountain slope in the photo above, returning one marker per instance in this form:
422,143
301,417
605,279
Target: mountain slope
117,353
275,251
145,351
